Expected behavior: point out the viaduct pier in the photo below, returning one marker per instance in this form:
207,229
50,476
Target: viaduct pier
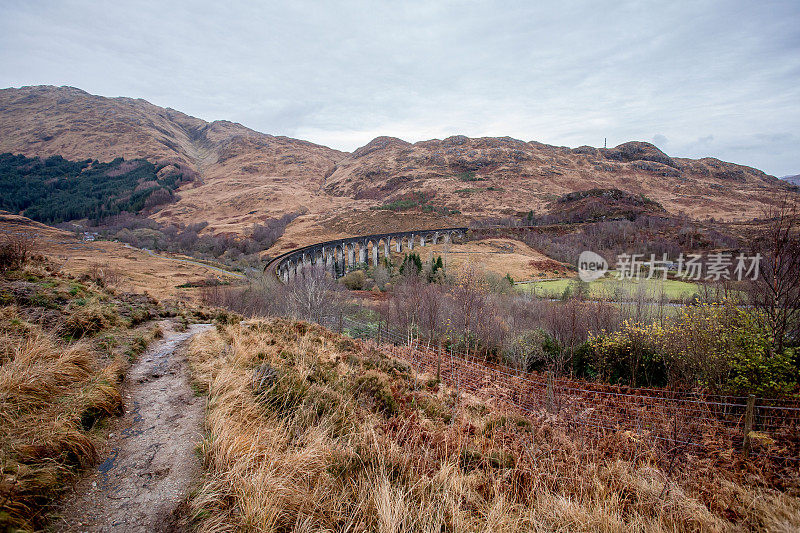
343,255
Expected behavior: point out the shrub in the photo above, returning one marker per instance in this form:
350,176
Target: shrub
759,372
469,176
15,249
499,284
726,348
278,390
354,280
630,356
136,347
719,347
526,351
51,395
374,386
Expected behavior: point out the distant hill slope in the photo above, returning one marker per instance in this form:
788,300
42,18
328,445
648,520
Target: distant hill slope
245,176
794,180
241,170
509,176
56,190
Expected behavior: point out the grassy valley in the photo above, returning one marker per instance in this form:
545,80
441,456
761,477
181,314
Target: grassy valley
474,385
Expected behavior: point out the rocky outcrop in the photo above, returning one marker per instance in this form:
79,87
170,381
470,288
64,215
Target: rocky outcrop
638,151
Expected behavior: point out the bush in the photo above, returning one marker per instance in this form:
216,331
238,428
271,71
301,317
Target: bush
726,348
499,284
15,249
630,356
757,372
104,275
52,394
278,390
354,280
374,385
526,351
89,319
469,176
719,347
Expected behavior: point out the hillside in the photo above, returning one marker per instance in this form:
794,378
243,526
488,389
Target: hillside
794,180
509,176
169,276
244,175
309,427
65,345
235,176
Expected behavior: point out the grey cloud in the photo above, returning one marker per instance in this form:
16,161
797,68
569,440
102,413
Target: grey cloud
340,73
659,140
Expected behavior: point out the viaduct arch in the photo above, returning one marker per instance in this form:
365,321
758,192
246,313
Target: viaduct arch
343,255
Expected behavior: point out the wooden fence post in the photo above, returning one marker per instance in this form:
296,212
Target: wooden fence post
439,364
749,418
550,396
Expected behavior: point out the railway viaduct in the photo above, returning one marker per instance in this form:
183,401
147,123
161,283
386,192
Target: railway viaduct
343,255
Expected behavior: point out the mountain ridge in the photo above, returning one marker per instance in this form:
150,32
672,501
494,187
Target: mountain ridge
793,179
247,176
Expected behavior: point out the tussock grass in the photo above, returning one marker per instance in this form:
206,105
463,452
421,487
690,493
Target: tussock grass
63,348
89,318
51,396
308,431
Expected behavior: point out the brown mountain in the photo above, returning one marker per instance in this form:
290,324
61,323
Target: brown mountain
246,176
794,180
507,176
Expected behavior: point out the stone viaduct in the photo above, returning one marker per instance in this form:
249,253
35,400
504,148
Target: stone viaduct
343,255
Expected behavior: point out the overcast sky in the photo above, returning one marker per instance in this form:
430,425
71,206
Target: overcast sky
697,78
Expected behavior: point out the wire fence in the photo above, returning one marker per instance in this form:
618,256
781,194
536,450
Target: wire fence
673,419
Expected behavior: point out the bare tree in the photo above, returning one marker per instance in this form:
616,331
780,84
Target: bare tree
776,290
407,301
430,310
469,292
262,296
568,324
314,296
104,274
381,276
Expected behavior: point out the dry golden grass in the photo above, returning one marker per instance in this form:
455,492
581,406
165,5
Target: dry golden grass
501,256
51,395
129,269
310,431
64,348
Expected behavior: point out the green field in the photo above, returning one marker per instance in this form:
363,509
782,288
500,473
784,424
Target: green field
610,288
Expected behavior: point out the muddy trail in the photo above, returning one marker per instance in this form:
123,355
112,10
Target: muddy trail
148,464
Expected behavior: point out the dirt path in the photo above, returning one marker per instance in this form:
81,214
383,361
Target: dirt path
149,463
